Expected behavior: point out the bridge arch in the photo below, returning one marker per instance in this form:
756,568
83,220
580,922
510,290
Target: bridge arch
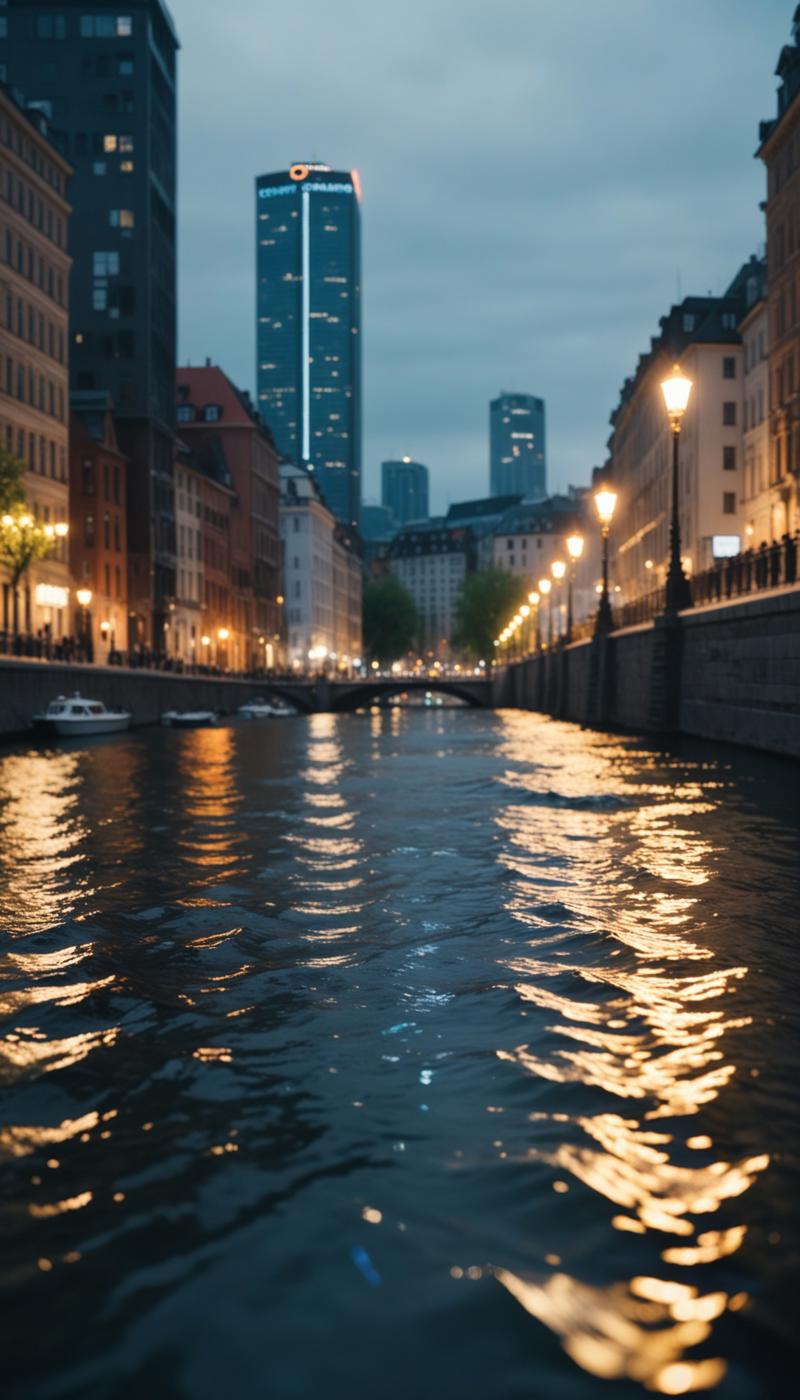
476,695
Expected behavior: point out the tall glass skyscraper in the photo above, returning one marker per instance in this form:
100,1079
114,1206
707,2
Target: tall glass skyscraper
308,326
404,489
517,465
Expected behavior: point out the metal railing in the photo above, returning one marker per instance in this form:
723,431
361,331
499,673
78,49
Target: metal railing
775,565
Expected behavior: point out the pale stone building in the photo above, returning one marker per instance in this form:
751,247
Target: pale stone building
701,334
322,578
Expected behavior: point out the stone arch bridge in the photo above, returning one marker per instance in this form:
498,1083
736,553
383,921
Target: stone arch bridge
327,696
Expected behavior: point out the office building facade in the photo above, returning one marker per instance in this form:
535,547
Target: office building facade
105,76
517,461
308,325
404,490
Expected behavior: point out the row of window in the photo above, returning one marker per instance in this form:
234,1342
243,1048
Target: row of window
210,413
24,259
112,481
16,138
23,320
22,197
753,411
42,455
23,383
90,535
89,26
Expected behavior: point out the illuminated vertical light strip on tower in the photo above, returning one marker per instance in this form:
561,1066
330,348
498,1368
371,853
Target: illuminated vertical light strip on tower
306,319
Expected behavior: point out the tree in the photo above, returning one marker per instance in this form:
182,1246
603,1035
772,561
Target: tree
23,540
486,602
12,477
391,620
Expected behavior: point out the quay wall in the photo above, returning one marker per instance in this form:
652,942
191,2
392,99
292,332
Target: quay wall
728,672
28,686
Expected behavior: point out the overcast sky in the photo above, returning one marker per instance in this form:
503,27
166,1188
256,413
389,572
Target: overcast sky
539,176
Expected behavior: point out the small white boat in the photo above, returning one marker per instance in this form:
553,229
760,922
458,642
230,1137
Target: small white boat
265,709
78,715
188,719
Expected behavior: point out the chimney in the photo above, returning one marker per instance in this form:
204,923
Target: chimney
208,362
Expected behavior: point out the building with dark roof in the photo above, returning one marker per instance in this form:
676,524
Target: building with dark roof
227,436
432,561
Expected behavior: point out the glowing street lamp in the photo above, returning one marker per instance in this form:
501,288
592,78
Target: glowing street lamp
676,390
574,550
544,587
605,502
83,597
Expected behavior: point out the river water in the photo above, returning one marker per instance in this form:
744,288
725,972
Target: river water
412,1054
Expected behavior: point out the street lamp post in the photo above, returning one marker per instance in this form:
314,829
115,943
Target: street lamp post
558,569
605,502
84,597
544,588
574,550
676,391
533,599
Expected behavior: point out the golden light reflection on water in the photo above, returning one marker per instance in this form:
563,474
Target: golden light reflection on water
327,906
41,834
212,838
630,1024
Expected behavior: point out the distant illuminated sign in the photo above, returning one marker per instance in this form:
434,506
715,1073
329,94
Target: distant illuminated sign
725,546
270,191
314,186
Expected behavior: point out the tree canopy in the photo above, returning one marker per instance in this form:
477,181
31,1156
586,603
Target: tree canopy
391,620
12,477
486,602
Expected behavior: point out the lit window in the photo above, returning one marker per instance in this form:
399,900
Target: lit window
99,167
126,166
110,143
124,26
126,143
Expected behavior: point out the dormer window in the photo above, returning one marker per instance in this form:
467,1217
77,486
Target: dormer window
212,412
185,413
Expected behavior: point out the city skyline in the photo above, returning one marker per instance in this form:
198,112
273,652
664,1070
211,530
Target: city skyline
594,237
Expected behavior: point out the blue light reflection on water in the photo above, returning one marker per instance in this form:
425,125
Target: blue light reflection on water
344,1051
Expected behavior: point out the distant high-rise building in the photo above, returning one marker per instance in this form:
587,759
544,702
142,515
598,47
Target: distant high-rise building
517,463
308,324
105,75
404,490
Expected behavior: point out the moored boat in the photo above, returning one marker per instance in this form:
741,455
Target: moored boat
265,709
78,715
188,719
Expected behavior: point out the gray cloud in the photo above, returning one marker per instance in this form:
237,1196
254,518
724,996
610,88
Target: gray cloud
537,176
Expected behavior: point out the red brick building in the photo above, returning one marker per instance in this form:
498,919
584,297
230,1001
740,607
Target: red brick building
225,435
98,546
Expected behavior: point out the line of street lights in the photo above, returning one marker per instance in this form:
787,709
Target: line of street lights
676,390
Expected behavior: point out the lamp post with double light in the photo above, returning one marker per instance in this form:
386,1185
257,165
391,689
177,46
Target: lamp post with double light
605,502
676,390
574,550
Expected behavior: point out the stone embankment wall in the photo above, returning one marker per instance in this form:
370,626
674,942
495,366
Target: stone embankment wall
729,672
29,686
